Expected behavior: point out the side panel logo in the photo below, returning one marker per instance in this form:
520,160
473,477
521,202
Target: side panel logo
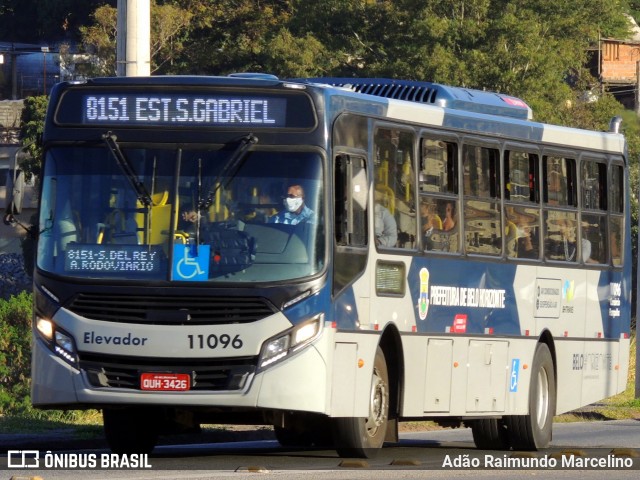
423,304
568,290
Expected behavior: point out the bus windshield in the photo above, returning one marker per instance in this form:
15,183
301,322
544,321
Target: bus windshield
174,214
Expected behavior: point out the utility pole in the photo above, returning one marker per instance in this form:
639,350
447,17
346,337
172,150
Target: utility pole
134,38
637,96
637,389
44,51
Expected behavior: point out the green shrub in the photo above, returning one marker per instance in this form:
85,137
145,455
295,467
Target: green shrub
15,366
15,353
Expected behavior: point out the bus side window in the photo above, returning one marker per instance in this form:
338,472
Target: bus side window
482,218
438,186
561,236
616,211
521,172
351,194
559,181
561,226
438,167
351,201
522,212
593,226
394,181
522,231
594,238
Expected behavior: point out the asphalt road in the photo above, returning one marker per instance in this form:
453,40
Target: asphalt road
578,451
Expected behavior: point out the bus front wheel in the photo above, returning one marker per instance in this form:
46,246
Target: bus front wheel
129,430
363,437
533,431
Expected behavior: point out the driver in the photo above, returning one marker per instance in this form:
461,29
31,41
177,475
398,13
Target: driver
295,210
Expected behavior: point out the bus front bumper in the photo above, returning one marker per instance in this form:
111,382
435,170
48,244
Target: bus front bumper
298,383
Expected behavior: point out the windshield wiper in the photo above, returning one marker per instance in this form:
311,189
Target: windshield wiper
141,191
232,165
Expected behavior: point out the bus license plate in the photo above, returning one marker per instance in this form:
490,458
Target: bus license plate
165,381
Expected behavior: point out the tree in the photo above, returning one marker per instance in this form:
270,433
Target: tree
99,39
31,128
50,21
169,25
527,49
236,36
169,28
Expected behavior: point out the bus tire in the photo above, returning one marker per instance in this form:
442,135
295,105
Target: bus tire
490,434
533,431
129,430
363,437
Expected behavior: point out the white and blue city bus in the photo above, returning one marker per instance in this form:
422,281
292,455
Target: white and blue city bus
495,294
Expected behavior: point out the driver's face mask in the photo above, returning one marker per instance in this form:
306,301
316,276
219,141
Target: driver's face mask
292,204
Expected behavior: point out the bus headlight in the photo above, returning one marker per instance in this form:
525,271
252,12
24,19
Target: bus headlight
290,341
65,347
45,327
58,340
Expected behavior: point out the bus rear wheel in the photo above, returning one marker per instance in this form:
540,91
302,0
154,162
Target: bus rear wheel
490,434
533,431
363,437
129,430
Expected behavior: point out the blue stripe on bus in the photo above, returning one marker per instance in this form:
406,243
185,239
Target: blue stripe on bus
614,294
311,306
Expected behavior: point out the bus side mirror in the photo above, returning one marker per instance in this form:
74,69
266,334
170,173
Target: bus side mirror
15,192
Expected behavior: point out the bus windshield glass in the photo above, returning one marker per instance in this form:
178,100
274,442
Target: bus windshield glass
224,214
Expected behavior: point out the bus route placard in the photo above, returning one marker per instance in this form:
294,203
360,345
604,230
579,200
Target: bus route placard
112,258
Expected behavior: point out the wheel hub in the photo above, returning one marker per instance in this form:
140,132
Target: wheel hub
543,398
377,405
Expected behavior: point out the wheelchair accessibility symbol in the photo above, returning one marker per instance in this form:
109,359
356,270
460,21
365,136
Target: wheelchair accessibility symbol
190,263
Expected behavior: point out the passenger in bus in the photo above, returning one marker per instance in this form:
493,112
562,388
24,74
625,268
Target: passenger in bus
431,221
450,216
586,252
527,244
560,240
295,211
591,230
189,218
261,211
386,228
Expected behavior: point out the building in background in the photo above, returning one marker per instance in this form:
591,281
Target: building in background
27,69
615,62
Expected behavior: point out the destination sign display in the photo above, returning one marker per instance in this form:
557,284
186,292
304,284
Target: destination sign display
180,109
112,259
170,109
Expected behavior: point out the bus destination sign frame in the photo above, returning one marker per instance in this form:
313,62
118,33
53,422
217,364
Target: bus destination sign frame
184,109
